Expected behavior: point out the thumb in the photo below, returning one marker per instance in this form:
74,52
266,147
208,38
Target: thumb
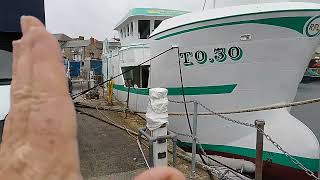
163,173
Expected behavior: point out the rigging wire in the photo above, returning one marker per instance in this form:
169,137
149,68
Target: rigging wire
186,110
198,148
183,92
100,84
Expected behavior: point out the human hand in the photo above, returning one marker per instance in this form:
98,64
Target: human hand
40,140
40,133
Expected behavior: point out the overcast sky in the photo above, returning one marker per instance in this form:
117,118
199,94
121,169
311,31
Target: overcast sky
97,18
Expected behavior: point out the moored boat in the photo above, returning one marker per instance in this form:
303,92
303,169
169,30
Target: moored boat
232,58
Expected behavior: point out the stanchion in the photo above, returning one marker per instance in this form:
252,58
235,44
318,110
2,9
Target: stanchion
259,150
194,140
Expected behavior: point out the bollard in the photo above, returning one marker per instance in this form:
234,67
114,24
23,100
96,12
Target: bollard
157,121
259,150
194,140
160,146
143,132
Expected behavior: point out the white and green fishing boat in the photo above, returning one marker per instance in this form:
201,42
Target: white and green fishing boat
236,56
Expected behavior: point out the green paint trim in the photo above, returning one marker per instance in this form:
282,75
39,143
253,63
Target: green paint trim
238,15
174,91
141,91
151,12
277,158
294,23
155,12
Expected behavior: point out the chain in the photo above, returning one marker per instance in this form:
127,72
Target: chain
215,170
226,118
288,155
181,134
257,109
181,102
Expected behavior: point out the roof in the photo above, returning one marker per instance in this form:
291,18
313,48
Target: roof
81,43
151,12
62,37
76,43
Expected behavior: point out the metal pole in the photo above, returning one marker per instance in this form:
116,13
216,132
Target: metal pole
194,140
174,151
259,150
151,164
128,98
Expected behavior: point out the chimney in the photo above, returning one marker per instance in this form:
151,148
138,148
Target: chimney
92,40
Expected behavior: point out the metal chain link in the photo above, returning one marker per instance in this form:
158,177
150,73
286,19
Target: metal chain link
180,102
227,118
256,109
211,168
181,134
288,155
218,172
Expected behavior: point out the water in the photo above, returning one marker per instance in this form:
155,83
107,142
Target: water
309,114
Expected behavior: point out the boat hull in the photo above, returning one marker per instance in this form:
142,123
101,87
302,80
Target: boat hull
235,63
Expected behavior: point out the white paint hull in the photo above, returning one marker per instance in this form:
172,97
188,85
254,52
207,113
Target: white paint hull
272,65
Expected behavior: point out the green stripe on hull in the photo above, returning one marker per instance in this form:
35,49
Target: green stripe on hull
277,158
294,23
175,91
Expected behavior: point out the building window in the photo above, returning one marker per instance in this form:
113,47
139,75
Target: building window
124,32
121,33
91,55
157,23
144,29
128,30
138,77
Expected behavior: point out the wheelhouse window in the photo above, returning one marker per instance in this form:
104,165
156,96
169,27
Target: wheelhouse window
131,29
144,29
5,67
157,23
138,77
128,30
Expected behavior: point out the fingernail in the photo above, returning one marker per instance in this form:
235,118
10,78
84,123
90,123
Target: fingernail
24,23
16,42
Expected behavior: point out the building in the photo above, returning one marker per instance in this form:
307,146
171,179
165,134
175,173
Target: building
109,46
79,48
62,38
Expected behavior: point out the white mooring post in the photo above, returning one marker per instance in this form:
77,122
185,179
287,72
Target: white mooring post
157,121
